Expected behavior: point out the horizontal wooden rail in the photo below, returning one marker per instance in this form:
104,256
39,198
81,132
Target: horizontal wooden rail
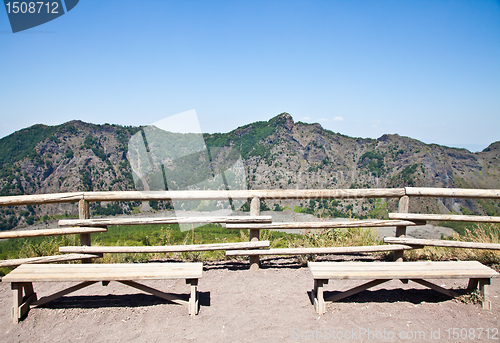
441,243
50,232
248,194
203,195
16,200
304,194
324,225
46,259
444,217
164,220
328,250
453,192
163,248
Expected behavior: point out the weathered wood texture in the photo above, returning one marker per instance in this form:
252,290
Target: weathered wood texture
403,207
444,217
50,232
325,225
453,192
16,200
202,195
441,243
162,249
103,222
254,234
400,270
104,272
46,259
328,250
248,194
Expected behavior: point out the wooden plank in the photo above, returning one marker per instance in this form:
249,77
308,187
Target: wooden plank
17,297
50,232
453,192
16,200
46,259
445,217
402,265
355,290
254,234
104,272
301,194
162,220
59,294
328,250
400,270
436,287
325,225
167,296
193,297
84,213
442,243
162,248
403,207
484,285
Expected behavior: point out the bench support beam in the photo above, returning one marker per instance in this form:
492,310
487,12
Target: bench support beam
319,300
24,298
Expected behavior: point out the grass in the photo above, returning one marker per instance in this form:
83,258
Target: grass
483,233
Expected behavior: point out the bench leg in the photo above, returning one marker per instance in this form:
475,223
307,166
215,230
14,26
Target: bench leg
23,296
193,297
472,286
484,285
318,296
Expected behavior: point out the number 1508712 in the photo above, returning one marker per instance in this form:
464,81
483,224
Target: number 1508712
32,7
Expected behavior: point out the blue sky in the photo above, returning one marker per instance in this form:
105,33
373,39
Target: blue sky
425,69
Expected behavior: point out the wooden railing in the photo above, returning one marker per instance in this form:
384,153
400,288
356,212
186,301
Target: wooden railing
401,220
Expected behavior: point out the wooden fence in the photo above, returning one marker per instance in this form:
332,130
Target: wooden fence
254,222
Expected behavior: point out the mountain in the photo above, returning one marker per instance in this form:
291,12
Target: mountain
277,154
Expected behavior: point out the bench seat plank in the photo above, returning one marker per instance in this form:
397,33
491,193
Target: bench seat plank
400,270
104,272
100,222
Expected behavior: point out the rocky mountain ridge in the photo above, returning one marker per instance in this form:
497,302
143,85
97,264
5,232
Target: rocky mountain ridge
277,154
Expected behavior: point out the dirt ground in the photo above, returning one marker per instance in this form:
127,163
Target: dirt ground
269,305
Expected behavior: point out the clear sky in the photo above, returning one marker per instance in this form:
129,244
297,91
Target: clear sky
425,69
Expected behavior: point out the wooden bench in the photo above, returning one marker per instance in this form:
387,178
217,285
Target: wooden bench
22,277
479,276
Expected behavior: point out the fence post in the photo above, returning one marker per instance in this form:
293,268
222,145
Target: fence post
254,233
404,203
84,213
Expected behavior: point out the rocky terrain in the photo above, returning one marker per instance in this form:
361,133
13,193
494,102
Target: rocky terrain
277,154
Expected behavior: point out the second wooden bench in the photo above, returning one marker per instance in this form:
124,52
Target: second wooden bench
479,276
